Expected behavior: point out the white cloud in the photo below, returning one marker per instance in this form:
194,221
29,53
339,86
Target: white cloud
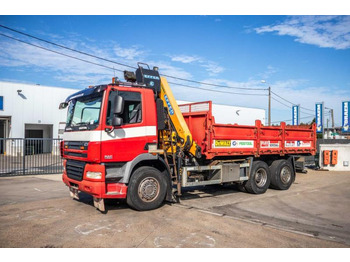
186,59
270,70
213,68
62,68
128,53
322,31
167,69
299,91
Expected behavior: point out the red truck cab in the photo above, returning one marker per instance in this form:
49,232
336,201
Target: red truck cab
95,151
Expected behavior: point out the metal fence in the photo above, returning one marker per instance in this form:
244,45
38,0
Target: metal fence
29,156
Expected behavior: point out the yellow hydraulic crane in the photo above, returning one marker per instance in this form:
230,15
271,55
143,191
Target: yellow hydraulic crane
185,140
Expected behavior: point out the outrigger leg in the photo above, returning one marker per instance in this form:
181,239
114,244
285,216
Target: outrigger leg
99,203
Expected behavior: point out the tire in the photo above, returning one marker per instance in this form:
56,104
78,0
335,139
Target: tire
259,179
282,174
147,189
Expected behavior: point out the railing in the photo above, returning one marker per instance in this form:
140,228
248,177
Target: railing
30,156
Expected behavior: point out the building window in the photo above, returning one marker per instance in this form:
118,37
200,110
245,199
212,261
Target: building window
1,103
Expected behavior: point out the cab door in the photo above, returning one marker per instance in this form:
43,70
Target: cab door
123,143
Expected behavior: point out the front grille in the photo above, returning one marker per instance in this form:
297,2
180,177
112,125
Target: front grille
75,169
76,154
76,144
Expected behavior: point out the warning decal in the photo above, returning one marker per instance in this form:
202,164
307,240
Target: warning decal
233,144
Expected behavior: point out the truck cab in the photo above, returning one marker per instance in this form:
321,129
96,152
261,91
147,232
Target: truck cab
109,130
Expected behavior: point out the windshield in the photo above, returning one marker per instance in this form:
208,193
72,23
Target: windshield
84,111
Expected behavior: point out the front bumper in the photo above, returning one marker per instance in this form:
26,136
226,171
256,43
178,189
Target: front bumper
98,188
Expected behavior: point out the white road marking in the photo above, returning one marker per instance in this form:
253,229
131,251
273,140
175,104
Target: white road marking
103,227
192,240
42,214
211,213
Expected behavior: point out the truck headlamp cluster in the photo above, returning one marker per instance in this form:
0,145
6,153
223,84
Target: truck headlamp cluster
94,175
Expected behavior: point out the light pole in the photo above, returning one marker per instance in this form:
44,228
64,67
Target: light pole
332,117
269,106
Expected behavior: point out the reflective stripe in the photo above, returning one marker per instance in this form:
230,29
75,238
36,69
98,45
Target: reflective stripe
120,133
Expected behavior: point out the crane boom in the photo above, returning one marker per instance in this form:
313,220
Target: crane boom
178,121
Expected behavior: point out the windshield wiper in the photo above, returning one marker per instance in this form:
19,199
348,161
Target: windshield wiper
87,124
81,123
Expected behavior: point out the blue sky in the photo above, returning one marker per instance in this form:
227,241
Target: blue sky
305,59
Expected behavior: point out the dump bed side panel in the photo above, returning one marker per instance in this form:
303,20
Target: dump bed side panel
239,140
270,140
300,139
233,140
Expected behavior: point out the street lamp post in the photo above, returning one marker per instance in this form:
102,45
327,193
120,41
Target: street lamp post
332,117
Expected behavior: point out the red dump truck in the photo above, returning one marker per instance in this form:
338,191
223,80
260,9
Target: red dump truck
131,140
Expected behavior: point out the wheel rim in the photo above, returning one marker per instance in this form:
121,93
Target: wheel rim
260,177
285,175
149,189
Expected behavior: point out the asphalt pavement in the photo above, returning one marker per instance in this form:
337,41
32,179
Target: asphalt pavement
36,211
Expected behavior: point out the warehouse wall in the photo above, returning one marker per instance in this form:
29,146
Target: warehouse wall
35,105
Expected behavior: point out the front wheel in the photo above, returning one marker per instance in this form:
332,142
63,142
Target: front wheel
259,179
147,189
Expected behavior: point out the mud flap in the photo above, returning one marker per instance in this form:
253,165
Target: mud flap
74,193
99,203
293,162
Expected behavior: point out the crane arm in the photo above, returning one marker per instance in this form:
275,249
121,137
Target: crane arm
179,123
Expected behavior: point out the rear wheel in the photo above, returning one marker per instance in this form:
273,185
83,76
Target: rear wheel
259,179
282,174
147,189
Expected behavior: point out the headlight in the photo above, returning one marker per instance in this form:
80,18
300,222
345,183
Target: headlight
94,175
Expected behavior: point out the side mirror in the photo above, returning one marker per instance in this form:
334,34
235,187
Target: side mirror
63,105
118,105
117,121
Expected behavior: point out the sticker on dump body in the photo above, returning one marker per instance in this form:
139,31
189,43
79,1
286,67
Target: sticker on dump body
297,144
269,144
233,144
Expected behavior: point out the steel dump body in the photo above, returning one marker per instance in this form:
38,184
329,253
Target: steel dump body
222,140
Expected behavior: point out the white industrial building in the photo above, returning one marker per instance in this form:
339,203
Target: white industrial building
31,111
